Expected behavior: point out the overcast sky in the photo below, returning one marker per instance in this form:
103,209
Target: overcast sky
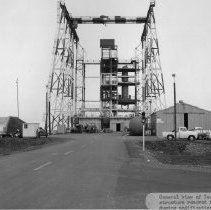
28,29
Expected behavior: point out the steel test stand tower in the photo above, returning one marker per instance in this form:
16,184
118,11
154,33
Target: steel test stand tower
125,87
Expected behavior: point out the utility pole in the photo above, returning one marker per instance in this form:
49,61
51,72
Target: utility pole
49,117
46,110
175,109
143,123
17,97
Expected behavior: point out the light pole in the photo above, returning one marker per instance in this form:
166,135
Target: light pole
17,97
175,108
46,109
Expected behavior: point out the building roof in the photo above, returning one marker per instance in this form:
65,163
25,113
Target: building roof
5,120
183,108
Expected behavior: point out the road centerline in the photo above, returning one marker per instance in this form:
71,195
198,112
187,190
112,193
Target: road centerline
69,152
43,165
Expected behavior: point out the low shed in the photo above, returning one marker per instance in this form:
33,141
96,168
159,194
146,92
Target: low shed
187,115
30,129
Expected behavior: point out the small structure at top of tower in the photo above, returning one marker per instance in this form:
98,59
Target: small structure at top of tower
107,43
152,3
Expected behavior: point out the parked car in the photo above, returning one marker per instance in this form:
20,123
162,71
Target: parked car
182,133
78,128
6,135
41,132
18,134
91,128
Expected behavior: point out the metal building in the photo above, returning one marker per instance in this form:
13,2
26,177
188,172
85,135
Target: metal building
187,115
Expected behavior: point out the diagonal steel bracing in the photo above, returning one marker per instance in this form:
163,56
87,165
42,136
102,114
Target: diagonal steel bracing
61,84
153,90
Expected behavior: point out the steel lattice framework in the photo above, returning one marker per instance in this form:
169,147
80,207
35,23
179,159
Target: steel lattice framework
153,83
153,91
61,84
66,85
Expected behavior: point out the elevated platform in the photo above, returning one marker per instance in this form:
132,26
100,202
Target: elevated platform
118,110
128,70
128,83
127,101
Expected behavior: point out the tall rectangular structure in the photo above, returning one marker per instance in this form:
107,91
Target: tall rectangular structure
108,77
119,82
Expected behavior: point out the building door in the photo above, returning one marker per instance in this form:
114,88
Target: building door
105,123
186,120
118,127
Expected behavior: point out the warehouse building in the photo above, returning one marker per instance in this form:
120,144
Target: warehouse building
187,115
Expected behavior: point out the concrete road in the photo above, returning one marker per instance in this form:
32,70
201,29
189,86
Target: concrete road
88,171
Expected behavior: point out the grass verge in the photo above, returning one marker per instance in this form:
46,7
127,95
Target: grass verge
181,152
12,145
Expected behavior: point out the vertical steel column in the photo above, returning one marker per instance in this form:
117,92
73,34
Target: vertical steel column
80,81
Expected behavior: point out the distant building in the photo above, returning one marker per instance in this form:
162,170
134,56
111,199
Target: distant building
112,123
187,115
10,124
30,129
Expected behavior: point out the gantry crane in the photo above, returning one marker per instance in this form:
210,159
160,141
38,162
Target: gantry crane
66,84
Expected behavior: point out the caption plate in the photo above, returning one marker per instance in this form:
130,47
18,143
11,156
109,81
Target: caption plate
183,201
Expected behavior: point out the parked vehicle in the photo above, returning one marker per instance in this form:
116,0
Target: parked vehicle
18,134
42,132
6,135
91,128
202,134
78,128
182,133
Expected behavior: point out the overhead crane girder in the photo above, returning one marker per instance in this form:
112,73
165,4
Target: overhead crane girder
107,20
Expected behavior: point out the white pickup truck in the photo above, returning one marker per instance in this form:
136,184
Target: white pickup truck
182,133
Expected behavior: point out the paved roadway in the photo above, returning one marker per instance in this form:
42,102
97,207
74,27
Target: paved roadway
88,171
